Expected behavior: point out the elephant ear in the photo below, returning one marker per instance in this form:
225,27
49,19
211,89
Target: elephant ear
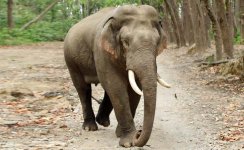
163,40
108,38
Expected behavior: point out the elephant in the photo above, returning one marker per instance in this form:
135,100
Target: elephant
117,47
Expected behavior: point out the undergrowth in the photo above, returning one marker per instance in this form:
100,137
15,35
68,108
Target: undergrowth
41,32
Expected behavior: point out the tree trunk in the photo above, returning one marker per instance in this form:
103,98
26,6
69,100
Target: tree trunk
177,25
167,25
10,4
230,16
214,6
242,17
88,7
40,16
202,26
174,22
188,22
83,10
225,28
199,25
185,21
179,22
237,10
236,17
193,11
216,30
207,21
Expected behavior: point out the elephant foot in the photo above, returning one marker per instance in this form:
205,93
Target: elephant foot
104,121
89,125
126,140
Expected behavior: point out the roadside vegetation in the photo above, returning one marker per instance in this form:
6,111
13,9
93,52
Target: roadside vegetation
205,57
28,21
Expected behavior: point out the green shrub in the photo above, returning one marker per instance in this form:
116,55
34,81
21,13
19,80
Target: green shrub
238,38
42,31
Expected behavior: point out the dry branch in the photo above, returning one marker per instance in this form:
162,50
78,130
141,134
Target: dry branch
40,16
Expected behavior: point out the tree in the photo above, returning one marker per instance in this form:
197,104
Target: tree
230,15
241,16
10,14
188,22
167,25
177,24
216,30
225,28
200,30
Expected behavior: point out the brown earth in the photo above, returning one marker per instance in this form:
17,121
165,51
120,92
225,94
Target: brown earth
39,107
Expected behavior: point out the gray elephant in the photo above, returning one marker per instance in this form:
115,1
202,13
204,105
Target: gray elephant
117,47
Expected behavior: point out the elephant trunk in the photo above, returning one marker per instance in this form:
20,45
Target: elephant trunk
147,75
149,87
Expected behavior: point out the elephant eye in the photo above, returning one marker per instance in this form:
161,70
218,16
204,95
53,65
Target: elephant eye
160,22
125,43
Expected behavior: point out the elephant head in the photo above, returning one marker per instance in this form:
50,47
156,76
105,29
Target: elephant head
134,34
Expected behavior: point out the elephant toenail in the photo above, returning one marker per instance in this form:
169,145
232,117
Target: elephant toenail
86,128
127,144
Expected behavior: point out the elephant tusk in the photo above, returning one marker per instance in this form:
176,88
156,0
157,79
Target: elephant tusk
162,82
133,82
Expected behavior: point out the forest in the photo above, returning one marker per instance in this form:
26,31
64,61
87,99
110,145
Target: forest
203,62
34,21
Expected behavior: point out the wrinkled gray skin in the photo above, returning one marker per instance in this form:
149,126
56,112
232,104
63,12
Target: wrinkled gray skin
101,49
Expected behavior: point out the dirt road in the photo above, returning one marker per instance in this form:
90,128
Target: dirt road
39,107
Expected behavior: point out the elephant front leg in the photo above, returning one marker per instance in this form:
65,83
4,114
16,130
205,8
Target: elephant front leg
118,93
126,124
134,99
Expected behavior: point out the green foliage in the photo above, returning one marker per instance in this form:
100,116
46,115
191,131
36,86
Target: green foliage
106,3
56,22
239,39
12,37
53,26
43,31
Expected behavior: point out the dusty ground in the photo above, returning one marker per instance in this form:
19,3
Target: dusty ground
39,108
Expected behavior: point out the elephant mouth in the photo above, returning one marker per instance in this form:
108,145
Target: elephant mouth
131,76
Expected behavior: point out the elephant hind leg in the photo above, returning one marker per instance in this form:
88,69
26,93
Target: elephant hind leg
84,92
88,114
104,111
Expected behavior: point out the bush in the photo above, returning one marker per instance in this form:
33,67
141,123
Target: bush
42,31
238,39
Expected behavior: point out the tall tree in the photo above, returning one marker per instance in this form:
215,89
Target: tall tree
166,24
199,25
174,22
230,15
177,24
10,4
225,28
237,12
88,7
242,17
188,22
216,30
